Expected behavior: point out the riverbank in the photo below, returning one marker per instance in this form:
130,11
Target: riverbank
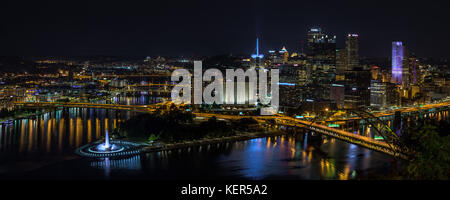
23,116
155,147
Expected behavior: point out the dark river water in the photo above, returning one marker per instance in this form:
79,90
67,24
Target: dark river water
43,148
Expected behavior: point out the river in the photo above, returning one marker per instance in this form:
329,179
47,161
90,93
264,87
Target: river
43,148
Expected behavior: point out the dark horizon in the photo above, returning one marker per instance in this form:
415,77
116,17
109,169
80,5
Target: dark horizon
204,28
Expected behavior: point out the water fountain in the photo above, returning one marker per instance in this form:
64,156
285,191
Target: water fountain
109,148
106,147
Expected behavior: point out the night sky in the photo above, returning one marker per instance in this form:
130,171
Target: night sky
175,28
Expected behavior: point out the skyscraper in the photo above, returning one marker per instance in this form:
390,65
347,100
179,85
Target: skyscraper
321,47
285,54
321,61
352,51
397,62
382,94
406,71
348,58
357,88
341,61
413,63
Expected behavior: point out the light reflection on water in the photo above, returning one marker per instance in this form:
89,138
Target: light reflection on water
57,132
281,157
286,157
292,156
107,164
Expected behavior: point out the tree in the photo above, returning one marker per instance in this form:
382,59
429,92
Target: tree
430,151
153,137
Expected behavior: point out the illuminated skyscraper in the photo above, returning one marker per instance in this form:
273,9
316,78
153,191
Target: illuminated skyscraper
285,54
413,63
341,61
397,62
321,47
321,61
382,94
352,51
348,58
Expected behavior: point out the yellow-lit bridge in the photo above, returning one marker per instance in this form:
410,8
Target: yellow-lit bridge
405,111
332,132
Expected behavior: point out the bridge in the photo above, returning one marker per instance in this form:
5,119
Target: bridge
279,119
136,108
153,88
168,74
411,111
360,140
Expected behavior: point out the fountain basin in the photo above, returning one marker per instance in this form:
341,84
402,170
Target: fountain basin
102,148
116,148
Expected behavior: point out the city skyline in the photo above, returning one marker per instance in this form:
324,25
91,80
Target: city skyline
203,29
233,91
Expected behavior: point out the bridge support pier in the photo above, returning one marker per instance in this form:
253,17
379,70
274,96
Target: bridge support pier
398,123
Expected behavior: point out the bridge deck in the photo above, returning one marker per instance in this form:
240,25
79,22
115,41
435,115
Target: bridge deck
332,132
445,105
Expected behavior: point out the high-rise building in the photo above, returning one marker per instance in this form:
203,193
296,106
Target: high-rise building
337,94
413,64
274,57
406,71
348,58
321,61
341,61
378,94
352,51
357,88
401,69
397,62
382,94
321,47
285,54
278,57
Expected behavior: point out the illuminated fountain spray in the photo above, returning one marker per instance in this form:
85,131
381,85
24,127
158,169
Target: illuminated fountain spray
107,140
108,148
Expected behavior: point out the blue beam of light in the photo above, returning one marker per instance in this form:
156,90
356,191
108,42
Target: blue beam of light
257,55
287,84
